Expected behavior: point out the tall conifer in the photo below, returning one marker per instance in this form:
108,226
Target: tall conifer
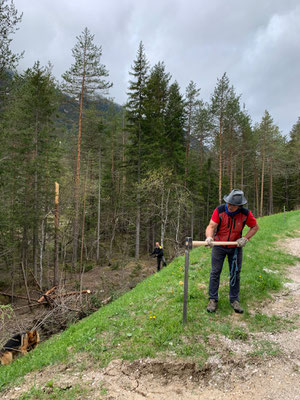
136,116
219,102
85,76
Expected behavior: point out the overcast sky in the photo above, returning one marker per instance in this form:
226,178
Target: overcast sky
256,42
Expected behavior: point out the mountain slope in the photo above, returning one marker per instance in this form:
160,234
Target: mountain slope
147,321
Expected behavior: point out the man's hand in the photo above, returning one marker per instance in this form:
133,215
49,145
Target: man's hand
242,242
209,242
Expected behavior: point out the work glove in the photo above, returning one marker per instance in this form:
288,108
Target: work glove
209,242
242,242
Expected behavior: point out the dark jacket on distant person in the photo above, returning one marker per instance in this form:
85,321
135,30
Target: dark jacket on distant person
158,252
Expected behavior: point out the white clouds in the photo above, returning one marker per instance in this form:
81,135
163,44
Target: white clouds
269,69
255,42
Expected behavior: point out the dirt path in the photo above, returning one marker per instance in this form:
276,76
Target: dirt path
226,378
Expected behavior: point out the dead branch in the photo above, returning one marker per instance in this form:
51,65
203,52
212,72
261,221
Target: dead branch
107,300
36,282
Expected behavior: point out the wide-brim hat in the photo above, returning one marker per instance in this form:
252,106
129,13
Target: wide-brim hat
236,198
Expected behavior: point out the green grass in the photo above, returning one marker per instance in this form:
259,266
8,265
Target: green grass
50,391
147,321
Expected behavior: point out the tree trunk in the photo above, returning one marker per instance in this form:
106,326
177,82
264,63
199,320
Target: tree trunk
113,234
187,151
25,248
99,209
35,220
256,200
271,187
164,212
138,200
192,221
262,184
56,221
231,162
82,230
242,168
77,179
220,158
177,244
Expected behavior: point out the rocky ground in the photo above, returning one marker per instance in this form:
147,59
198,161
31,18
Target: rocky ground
222,378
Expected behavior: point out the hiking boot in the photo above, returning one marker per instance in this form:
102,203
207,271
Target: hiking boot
237,307
212,306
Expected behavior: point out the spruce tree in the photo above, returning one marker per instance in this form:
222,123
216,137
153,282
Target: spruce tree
157,92
135,112
32,164
174,140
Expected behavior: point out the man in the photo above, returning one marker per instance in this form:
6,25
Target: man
226,224
159,253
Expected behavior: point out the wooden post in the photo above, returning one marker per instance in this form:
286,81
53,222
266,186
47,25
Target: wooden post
56,221
188,246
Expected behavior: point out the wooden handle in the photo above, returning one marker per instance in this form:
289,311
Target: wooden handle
215,243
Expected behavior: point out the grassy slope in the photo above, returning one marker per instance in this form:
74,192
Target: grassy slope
147,321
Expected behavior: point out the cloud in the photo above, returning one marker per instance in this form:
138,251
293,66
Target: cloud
255,42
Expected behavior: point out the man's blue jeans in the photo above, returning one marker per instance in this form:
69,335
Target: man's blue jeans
218,256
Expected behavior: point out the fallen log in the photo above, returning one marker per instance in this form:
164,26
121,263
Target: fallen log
17,296
55,296
47,294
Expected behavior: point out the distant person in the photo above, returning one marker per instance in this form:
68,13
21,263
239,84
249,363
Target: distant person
158,252
226,224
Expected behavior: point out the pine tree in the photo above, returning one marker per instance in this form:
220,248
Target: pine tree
192,102
268,136
231,128
81,81
219,101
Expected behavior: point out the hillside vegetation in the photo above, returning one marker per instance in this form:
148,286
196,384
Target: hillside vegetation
147,321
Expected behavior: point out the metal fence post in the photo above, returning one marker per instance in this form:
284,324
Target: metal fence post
188,246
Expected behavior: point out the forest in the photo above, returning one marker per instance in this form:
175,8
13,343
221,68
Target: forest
85,181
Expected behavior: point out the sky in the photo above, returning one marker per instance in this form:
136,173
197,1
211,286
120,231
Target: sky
256,42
